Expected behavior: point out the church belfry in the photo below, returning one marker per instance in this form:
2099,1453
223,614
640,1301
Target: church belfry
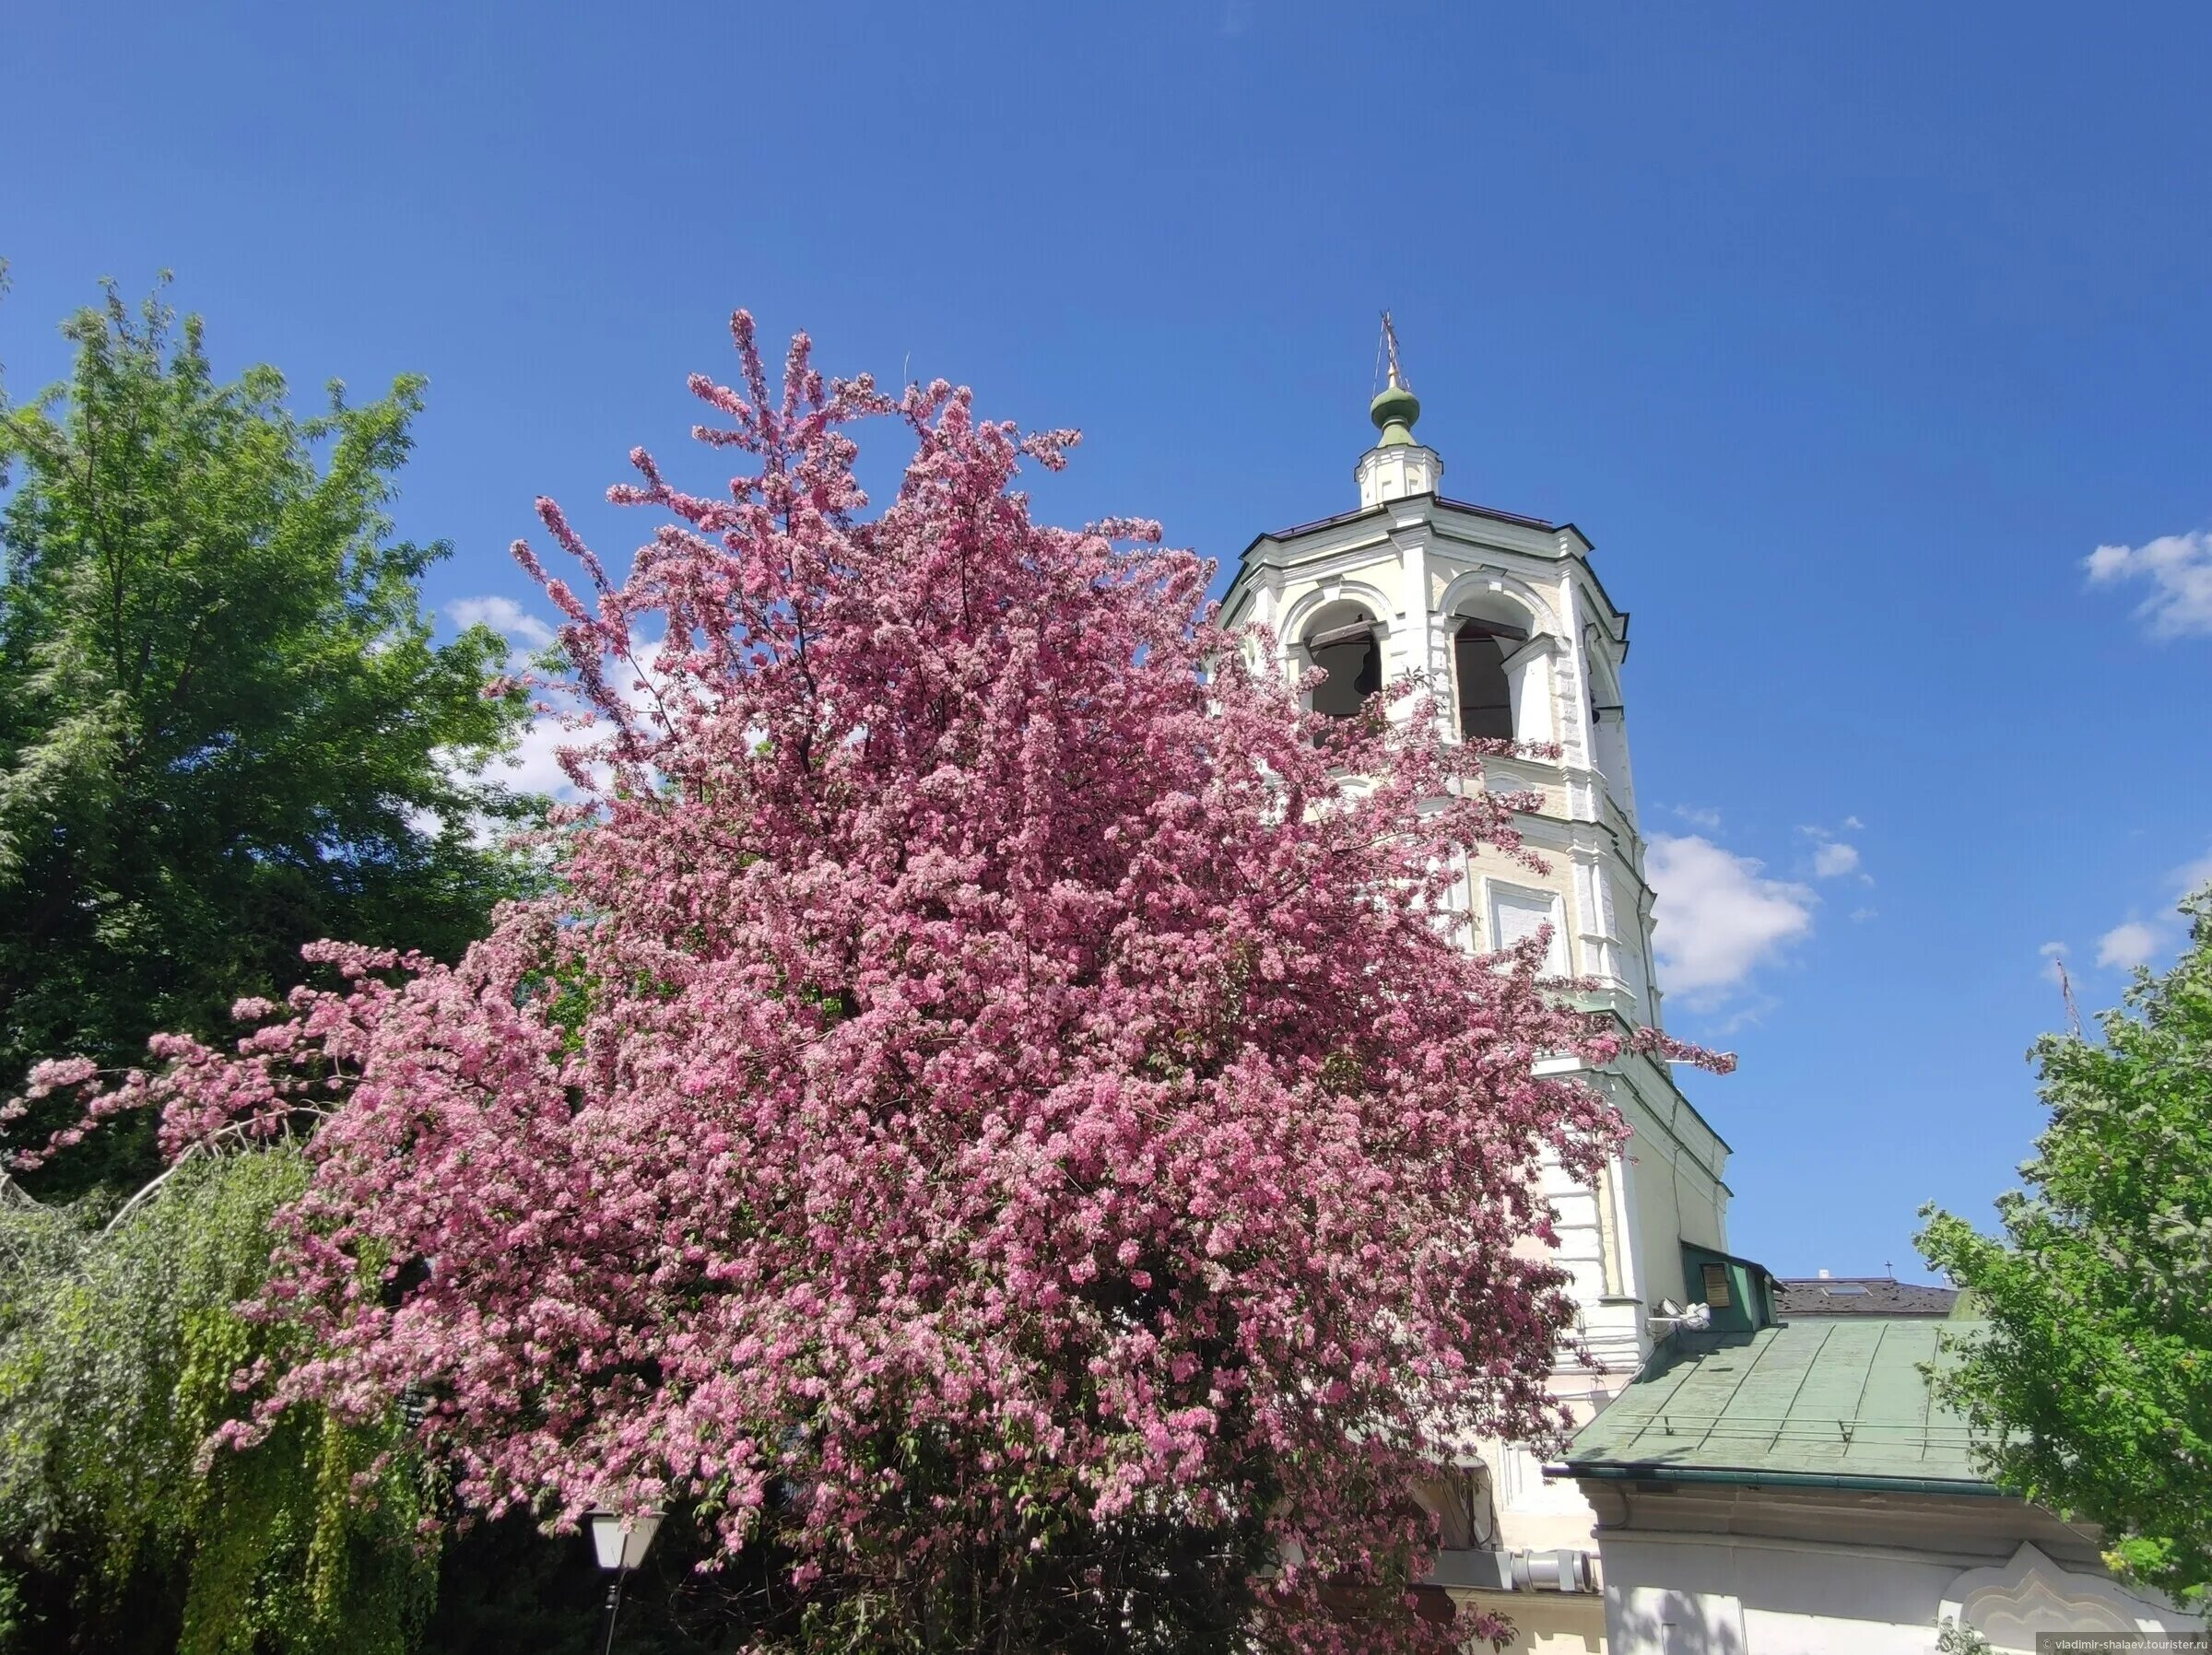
1506,617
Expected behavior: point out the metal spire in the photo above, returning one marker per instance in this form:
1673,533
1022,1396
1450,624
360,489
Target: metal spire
1395,408
1390,343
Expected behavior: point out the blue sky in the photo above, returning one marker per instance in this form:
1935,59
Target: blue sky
1848,334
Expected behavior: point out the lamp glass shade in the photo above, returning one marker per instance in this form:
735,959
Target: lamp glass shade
622,1540
607,1537
643,1526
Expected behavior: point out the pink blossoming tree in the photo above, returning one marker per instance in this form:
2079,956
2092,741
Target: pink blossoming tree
998,1119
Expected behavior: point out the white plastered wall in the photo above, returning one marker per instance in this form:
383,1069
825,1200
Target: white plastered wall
1754,1595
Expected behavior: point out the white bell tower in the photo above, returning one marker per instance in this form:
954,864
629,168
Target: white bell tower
1506,616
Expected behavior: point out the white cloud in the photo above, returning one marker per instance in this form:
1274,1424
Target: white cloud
2192,877
2128,946
1718,919
1698,815
2179,567
1833,861
1831,857
534,765
2138,942
1859,916
501,615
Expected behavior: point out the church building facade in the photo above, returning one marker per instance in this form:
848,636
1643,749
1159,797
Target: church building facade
1742,1482
1509,612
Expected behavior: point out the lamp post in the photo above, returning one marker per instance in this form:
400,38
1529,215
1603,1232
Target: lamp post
621,1542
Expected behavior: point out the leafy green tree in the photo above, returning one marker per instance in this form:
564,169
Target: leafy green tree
126,1530
225,730
2092,1386
121,1529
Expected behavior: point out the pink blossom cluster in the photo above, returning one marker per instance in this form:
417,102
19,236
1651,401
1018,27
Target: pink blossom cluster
989,1058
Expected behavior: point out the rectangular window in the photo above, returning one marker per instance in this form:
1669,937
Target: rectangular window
1517,913
1716,1287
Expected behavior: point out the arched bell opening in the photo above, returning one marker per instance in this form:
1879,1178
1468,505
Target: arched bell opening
1479,651
1345,642
1608,732
1490,641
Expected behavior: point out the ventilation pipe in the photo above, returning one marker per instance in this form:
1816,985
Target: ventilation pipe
1564,1571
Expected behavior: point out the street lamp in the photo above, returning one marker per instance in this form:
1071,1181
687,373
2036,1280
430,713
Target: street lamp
621,1542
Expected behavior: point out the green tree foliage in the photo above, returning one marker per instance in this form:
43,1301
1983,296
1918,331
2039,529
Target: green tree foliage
120,1528
224,732
125,1529
2093,1385
224,728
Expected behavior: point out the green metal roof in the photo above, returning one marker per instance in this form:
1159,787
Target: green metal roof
1829,1402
